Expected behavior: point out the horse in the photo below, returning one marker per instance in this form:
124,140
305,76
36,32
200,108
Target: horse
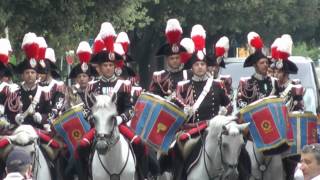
113,157
220,150
264,167
26,137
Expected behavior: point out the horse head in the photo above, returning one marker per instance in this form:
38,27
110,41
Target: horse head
230,141
104,112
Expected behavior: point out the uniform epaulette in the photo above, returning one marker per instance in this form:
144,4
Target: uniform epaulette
157,75
218,82
60,87
296,81
13,88
244,79
123,86
136,90
182,84
91,85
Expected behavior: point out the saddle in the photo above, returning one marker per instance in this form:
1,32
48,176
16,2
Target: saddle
189,138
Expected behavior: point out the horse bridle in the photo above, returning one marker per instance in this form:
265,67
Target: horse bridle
224,164
113,140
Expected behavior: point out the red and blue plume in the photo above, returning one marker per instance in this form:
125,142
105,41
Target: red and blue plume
123,39
42,48
98,44
84,52
222,47
30,45
173,31
198,35
255,41
108,35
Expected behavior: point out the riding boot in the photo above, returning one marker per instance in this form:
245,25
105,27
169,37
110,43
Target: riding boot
244,165
83,167
153,164
142,159
2,169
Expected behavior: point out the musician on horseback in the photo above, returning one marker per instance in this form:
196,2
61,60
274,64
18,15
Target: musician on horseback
259,85
291,90
54,89
164,82
124,71
216,61
27,104
6,74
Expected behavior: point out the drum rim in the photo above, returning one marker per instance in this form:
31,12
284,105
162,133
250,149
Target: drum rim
260,102
75,109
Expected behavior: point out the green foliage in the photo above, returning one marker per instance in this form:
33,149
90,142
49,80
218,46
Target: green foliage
64,23
302,49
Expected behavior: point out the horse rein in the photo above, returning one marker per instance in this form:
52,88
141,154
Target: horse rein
262,166
113,141
122,169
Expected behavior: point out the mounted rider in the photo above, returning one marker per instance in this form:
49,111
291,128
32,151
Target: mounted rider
216,61
6,85
124,71
164,82
259,85
291,90
28,105
48,72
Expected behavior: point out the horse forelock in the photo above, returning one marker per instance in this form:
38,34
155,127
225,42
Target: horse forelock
103,101
26,129
216,123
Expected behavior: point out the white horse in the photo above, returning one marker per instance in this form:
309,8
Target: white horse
264,167
113,157
220,151
26,137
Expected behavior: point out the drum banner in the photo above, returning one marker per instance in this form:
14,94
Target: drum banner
156,121
268,123
304,129
71,126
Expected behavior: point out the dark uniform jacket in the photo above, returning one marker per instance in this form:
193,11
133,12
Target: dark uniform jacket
54,92
292,92
189,91
255,87
24,97
164,82
107,86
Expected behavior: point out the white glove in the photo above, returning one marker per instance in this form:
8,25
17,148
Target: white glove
37,117
119,120
188,111
19,118
30,110
47,127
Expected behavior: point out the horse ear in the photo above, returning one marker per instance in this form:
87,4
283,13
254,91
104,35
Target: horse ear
243,126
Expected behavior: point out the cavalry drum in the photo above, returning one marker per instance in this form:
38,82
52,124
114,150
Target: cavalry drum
304,129
269,126
157,120
71,126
